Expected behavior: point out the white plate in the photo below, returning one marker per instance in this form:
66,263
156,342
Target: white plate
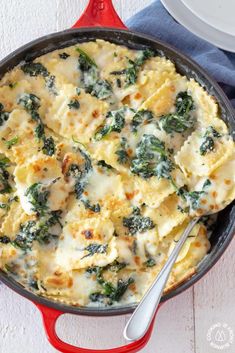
217,13
184,16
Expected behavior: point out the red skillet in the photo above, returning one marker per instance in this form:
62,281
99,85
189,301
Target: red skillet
101,21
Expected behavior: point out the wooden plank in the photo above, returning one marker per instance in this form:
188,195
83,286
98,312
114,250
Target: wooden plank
174,326
23,21
214,301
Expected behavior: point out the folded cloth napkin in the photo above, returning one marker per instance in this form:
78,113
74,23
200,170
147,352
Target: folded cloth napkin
220,64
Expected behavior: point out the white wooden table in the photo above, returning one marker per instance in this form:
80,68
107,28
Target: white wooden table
182,323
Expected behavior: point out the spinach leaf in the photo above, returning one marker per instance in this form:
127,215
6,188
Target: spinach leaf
34,69
150,262
64,55
133,67
4,116
74,104
137,223
38,230
102,89
115,121
37,195
122,151
141,117
12,85
94,248
79,174
31,103
208,140
90,79
50,84
192,198
4,239
109,292
182,119
11,142
6,205
95,208
48,146
84,60
103,164
151,159
5,187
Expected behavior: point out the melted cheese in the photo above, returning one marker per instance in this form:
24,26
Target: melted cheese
101,222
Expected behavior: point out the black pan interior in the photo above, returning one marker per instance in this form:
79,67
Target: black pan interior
225,226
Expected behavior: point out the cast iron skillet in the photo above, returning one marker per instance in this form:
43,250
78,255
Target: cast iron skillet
101,21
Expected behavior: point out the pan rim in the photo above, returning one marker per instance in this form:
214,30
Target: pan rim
128,308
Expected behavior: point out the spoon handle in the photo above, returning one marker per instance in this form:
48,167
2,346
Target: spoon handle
143,315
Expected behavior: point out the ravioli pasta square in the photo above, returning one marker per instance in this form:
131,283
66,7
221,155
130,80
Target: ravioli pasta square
45,172
79,122
88,243
162,101
167,215
153,191
192,161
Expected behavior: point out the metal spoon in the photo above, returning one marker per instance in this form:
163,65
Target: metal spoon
143,315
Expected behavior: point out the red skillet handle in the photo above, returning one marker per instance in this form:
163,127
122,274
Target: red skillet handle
50,317
100,13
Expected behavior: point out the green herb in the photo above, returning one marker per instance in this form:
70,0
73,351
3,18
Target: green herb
13,85
95,208
6,205
4,239
34,69
11,142
150,262
11,268
133,67
39,230
183,209
4,116
103,164
122,151
64,55
38,196
141,117
79,174
74,104
116,266
94,248
78,91
86,61
31,103
50,84
119,83
102,89
137,223
115,121
208,140
206,184
182,119
48,146
192,198
33,283
90,79
151,159
5,187
109,293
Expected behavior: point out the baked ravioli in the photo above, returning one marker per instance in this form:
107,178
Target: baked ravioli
106,153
